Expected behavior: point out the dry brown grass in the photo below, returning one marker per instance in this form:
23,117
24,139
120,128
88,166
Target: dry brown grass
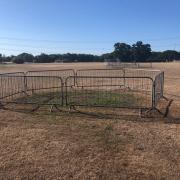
96,144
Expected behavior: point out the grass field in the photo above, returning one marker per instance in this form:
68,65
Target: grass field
95,143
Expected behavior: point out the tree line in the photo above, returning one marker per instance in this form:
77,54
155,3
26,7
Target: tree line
50,58
138,52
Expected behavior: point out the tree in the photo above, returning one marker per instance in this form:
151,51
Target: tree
138,52
141,52
123,52
17,60
26,57
55,57
169,55
165,56
155,56
43,58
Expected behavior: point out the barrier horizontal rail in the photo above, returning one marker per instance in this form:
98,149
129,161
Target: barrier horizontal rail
63,73
13,74
100,72
118,72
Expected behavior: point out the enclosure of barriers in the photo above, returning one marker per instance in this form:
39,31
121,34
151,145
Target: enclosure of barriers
118,64
117,88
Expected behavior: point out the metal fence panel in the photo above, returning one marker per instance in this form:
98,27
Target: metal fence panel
31,90
11,87
44,90
108,92
158,88
118,65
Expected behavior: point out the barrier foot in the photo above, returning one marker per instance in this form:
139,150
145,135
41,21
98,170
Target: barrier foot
165,98
36,108
167,108
147,113
56,107
72,108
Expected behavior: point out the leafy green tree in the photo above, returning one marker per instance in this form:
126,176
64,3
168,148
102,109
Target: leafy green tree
17,60
165,56
141,52
43,58
55,57
21,58
169,55
108,56
123,52
155,56
26,57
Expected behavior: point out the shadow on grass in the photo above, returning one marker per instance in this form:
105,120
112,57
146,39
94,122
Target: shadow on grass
92,114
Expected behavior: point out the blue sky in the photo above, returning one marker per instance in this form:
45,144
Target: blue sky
87,26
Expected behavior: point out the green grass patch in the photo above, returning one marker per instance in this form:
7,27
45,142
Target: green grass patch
86,98
41,98
104,98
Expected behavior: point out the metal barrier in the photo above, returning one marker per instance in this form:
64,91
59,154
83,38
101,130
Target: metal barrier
11,87
117,65
158,87
109,92
46,90
38,90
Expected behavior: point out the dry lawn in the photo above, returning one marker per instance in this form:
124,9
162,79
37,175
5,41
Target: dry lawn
93,143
